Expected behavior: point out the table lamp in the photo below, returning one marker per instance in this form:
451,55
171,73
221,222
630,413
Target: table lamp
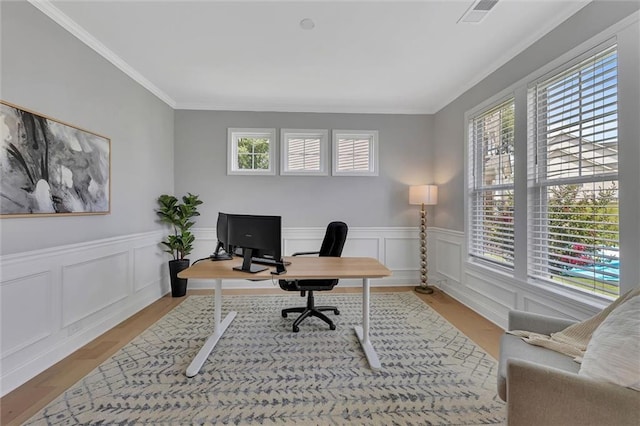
423,195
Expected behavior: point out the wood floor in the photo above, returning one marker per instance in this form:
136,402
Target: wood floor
20,404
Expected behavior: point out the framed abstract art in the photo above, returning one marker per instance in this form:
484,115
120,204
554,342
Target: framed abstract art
48,167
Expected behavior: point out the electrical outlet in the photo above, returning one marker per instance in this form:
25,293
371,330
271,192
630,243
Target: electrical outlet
74,328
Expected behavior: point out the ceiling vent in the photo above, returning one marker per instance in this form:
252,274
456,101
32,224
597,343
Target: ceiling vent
477,11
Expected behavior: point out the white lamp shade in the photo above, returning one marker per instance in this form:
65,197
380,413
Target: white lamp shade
423,194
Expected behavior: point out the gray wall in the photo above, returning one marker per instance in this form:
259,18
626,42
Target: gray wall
449,125
405,146
46,69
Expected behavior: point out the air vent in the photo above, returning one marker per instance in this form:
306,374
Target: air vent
478,11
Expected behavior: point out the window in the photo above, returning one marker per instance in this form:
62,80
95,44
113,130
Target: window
251,151
491,185
573,175
355,153
304,152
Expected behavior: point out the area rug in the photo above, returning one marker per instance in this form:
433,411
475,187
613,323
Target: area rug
262,373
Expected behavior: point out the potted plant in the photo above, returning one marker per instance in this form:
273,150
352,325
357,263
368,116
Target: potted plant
180,243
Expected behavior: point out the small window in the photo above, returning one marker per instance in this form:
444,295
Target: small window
304,152
251,152
355,153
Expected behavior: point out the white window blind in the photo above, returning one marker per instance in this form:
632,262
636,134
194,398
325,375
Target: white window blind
355,153
573,175
304,152
491,142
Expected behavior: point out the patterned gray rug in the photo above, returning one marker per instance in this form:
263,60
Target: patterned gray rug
262,373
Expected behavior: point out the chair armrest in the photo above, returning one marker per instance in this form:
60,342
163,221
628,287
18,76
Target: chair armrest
540,395
305,253
542,324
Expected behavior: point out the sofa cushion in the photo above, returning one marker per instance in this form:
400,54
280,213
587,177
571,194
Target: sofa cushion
613,353
514,347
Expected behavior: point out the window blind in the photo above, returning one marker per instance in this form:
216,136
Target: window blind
491,190
573,175
354,154
303,154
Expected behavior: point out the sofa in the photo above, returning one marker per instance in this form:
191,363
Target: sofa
543,387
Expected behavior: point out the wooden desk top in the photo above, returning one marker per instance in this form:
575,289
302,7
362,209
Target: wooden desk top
300,268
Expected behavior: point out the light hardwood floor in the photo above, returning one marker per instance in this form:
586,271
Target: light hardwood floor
20,404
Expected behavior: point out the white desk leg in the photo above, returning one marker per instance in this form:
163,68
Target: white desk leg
363,332
219,328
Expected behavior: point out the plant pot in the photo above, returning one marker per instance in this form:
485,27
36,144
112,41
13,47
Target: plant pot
178,285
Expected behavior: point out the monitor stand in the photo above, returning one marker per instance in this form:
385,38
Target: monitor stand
220,256
247,266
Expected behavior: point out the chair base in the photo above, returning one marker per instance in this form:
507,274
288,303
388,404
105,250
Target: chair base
311,311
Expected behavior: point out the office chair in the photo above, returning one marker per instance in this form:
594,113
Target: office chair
332,245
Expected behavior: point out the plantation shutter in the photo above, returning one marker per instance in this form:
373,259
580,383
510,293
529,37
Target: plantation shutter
573,175
491,136
303,154
353,154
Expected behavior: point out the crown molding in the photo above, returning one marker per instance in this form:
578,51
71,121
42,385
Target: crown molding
326,109
47,7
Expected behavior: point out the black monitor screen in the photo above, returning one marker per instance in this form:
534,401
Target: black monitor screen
256,235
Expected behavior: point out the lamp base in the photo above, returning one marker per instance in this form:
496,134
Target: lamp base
424,290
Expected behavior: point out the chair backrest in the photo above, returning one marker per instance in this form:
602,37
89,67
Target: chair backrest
332,245
334,239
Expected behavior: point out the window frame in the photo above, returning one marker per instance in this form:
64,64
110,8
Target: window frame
287,134
629,233
477,188
540,178
373,160
234,134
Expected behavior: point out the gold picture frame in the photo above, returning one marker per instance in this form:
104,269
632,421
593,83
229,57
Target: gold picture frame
51,168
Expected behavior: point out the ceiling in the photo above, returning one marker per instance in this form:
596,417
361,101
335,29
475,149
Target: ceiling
408,57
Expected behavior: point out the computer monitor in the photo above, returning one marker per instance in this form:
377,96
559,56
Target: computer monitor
255,234
223,250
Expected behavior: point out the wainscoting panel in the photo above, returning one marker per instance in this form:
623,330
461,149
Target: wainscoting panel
553,306
449,254
493,297
148,262
397,248
299,245
493,294
543,308
58,299
91,286
26,315
363,247
402,254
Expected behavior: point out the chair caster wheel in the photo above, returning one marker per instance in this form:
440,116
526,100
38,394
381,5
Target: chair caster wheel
284,315
337,312
296,329
332,326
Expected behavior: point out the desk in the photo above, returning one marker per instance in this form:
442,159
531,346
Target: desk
300,268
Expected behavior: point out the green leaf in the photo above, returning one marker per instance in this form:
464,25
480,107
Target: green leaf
178,215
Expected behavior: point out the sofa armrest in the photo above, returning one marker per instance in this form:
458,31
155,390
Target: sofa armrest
542,324
548,396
